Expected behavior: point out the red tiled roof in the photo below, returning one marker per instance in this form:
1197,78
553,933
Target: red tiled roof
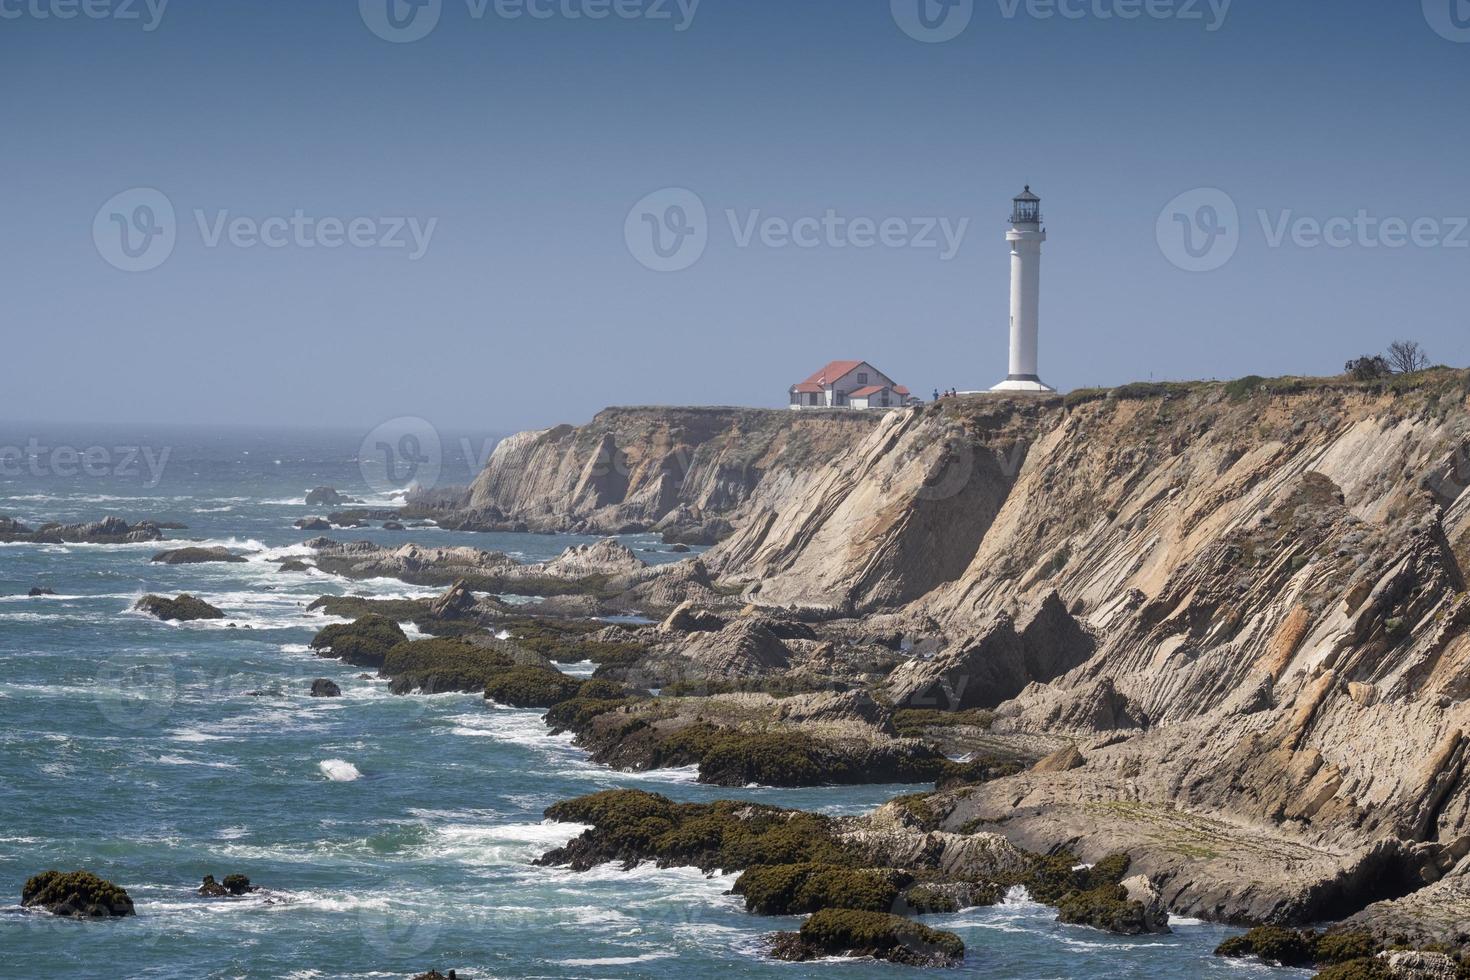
833,371
865,392
901,390
806,387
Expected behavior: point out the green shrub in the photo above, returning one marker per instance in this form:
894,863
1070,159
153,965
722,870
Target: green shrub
79,894
364,642
1242,388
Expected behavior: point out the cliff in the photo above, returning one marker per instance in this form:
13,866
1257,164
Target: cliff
1274,576
1241,608
637,468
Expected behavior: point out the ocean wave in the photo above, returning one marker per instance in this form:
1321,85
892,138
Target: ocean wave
493,844
339,770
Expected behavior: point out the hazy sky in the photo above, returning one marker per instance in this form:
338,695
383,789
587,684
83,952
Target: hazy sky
492,263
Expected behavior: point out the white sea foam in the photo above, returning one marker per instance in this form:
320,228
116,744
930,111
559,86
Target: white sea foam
178,760
339,770
617,960
492,844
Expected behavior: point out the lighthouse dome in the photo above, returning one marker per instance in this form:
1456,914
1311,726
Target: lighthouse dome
1026,208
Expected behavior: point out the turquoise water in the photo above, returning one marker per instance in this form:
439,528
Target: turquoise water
392,834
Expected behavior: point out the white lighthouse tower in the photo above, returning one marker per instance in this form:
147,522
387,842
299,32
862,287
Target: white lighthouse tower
1025,236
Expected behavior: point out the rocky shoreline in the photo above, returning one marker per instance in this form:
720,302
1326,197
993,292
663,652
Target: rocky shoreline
1172,621
1189,649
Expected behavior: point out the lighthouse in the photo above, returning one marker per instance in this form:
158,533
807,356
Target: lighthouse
1025,236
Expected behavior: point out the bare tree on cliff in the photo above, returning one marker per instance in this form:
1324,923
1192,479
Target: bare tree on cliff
1406,356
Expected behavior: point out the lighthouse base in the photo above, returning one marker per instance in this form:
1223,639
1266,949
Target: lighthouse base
1024,382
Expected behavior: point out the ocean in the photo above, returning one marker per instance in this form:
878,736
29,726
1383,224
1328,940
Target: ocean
391,835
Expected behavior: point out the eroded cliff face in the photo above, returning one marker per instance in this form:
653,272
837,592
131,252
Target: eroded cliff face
1275,584
637,468
1241,608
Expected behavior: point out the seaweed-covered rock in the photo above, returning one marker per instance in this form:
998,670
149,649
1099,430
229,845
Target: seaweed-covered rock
631,826
80,894
940,897
848,932
324,688
197,556
531,687
182,609
1108,907
364,642
795,889
294,565
1274,944
443,664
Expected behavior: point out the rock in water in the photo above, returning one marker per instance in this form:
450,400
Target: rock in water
314,524
40,591
79,894
182,609
847,932
324,688
197,556
232,887
328,497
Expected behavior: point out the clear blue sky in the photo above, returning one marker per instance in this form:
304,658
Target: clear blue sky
527,140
